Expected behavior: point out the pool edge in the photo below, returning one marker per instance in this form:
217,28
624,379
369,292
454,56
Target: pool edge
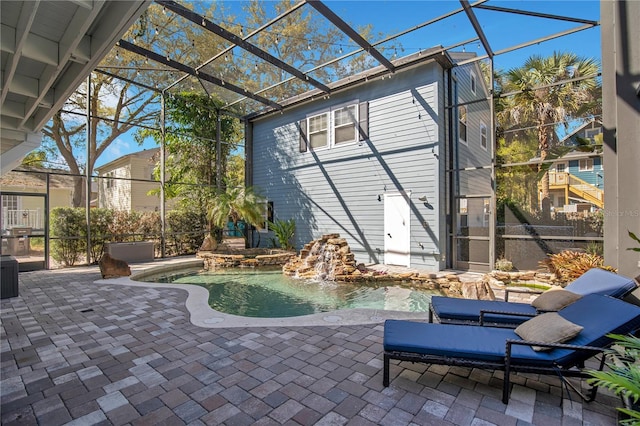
202,315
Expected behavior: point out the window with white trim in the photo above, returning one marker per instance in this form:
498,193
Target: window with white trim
483,135
462,123
561,167
585,165
11,203
318,131
267,215
110,182
473,82
341,125
344,125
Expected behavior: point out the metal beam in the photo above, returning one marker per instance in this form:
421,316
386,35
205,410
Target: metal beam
240,42
476,26
346,28
248,36
192,71
535,14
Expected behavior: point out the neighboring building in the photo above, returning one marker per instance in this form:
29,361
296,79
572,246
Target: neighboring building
23,194
576,180
124,183
390,161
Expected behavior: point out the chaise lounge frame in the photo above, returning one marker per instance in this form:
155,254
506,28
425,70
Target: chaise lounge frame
478,312
479,347
507,366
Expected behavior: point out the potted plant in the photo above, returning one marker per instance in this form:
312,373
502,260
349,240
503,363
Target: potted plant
623,376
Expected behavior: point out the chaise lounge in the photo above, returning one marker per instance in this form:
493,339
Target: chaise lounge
541,345
451,310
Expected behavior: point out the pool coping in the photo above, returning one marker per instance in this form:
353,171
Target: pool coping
202,315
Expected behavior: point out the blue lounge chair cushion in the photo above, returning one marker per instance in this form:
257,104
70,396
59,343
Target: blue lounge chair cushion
599,281
598,315
596,281
468,310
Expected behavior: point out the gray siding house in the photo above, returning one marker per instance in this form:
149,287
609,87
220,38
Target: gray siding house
377,161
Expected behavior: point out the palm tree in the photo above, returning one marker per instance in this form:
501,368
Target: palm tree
545,98
235,203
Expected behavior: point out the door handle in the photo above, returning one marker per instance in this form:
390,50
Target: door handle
389,235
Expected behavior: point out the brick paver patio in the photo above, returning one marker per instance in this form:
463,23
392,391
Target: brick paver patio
80,353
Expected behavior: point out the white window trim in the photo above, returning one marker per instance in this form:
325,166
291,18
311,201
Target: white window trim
588,165
331,127
355,125
466,125
473,82
564,163
484,135
328,130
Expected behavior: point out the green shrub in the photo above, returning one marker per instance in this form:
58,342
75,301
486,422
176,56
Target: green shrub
623,377
101,221
185,231
68,229
284,230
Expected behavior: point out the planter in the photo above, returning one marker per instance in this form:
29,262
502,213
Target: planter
140,251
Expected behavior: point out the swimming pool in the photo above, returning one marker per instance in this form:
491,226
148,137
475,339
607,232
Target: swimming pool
267,293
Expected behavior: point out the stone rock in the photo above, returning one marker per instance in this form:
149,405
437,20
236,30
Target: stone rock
209,244
113,268
479,290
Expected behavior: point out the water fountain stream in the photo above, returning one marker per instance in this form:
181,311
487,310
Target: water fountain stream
326,259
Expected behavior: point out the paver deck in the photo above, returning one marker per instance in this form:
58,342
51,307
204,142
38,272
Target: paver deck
78,352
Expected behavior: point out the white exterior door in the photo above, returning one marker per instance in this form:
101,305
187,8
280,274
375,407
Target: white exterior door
396,230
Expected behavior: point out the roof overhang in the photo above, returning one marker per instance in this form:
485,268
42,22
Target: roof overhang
48,49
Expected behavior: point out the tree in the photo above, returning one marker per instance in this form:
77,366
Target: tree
67,131
543,101
116,105
192,149
235,204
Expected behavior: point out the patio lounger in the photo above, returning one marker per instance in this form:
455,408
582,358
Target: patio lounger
496,348
452,310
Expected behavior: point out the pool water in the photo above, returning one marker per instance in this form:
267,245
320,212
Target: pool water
270,294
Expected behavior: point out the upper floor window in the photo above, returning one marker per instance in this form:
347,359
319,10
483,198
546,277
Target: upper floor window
339,126
110,182
483,135
344,125
462,123
318,131
585,165
473,82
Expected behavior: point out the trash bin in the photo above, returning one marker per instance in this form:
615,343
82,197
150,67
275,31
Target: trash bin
8,276
18,243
